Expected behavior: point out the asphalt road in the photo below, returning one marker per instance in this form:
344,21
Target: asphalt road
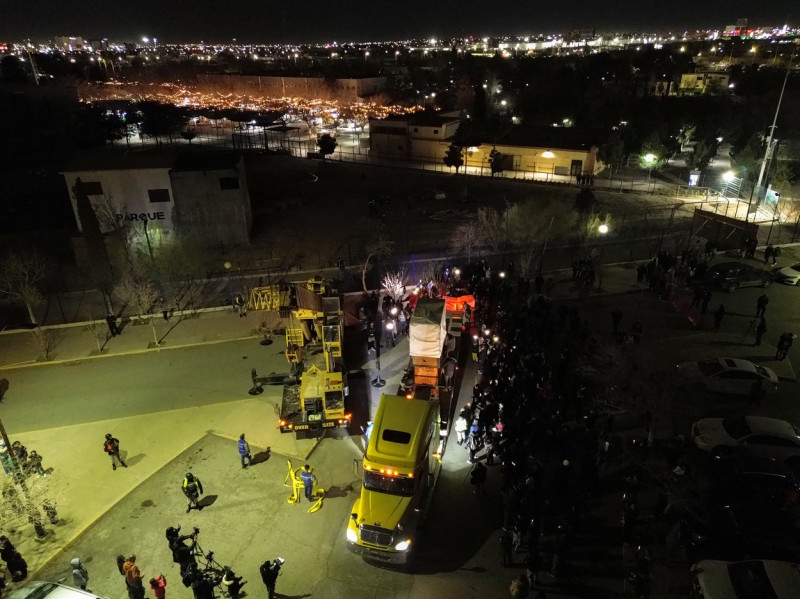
115,387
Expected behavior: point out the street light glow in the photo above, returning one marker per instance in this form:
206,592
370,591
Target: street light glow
650,158
603,229
728,176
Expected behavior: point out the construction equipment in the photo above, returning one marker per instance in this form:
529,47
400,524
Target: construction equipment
315,390
294,481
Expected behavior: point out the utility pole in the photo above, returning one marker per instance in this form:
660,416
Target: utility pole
19,477
770,143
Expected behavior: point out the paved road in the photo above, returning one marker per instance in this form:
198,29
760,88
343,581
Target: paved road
115,387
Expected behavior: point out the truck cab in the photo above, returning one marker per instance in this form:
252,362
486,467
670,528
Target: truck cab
401,466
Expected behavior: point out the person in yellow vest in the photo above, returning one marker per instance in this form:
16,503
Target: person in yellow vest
192,488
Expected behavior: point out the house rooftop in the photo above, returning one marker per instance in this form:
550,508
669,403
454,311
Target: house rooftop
185,160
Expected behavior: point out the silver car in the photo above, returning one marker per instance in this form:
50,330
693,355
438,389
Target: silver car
729,375
713,579
758,435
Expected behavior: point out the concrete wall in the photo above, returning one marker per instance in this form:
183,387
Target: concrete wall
215,215
297,87
125,192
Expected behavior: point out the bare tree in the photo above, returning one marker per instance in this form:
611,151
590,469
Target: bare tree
20,275
532,225
45,341
377,247
467,237
142,295
492,225
97,329
394,282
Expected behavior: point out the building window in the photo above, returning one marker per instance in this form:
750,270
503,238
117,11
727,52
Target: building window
158,195
400,148
416,130
229,182
92,188
436,132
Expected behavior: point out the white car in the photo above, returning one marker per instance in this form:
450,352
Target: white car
714,579
729,375
759,435
790,275
38,589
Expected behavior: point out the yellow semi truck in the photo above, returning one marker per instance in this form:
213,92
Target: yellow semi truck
401,466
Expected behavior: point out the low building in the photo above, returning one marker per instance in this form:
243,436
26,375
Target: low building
425,137
203,194
705,82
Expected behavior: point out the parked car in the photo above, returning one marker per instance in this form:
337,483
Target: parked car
758,435
730,276
789,275
729,375
749,481
38,589
713,579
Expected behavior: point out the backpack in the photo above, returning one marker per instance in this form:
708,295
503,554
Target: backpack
110,446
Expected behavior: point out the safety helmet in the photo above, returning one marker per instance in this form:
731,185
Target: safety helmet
189,476
108,435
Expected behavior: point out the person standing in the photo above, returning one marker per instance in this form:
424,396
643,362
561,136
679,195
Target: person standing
133,578
111,321
244,451
761,304
461,429
192,488
506,553
616,319
449,371
761,328
776,253
719,314
472,444
159,586
308,479
478,478
111,447
784,344
704,303
15,564
233,583
80,577
270,570
768,252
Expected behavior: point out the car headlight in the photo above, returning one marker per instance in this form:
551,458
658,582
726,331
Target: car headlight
402,545
352,536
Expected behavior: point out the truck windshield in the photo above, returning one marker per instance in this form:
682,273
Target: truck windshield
389,484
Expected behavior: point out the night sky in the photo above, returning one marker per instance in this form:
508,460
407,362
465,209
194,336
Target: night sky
176,21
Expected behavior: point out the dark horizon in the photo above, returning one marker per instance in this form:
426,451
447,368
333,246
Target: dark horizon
318,21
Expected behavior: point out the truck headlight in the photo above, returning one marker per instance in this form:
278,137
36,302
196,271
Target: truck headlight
352,536
402,545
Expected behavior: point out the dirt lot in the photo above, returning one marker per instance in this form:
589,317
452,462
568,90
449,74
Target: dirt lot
318,212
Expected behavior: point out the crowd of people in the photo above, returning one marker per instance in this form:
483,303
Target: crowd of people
516,424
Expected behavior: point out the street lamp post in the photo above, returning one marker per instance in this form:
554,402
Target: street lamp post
228,267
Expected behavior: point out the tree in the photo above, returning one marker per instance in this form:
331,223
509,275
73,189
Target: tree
160,120
309,118
612,152
704,150
189,134
45,341
466,238
327,144
142,295
496,161
492,227
394,282
377,247
454,157
20,276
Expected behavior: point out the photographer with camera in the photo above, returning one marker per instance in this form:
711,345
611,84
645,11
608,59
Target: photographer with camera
270,570
182,554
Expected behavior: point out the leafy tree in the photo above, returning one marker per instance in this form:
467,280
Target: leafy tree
377,247
454,157
327,144
20,277
496,161
704,150
612,152
189,134
653,154
748,157
160,120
